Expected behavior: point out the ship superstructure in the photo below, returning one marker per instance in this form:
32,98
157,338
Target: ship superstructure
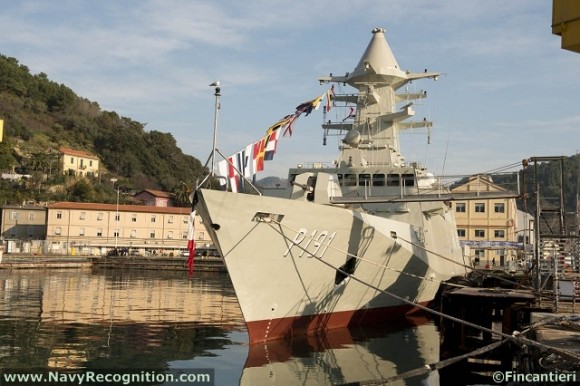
362,240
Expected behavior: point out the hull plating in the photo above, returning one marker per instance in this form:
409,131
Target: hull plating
287,259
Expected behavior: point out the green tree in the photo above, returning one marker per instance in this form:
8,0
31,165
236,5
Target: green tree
7,160
81,191
181,194
39,162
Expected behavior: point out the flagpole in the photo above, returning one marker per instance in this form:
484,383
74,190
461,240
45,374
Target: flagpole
215,123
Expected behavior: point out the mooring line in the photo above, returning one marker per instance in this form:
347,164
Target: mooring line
368,261
463,265
428,368
410,274
518,339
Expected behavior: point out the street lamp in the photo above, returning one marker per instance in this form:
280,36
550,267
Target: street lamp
114,180
215,121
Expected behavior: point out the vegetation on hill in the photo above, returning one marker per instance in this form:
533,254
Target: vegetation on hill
41,115
545,177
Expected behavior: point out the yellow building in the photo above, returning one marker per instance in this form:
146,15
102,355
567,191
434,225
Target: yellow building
488,228
22,227
566,23
78,162
96,229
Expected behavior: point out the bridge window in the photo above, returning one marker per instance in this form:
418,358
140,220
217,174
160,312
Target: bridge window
364,179
409,179
350,180
378,180
393,180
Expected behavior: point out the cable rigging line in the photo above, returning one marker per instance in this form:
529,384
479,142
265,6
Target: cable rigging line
516,338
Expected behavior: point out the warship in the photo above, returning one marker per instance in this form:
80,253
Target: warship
366,238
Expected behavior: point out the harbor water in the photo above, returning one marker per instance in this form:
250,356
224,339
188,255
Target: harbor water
150,320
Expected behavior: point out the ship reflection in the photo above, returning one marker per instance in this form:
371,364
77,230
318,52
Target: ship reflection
347,356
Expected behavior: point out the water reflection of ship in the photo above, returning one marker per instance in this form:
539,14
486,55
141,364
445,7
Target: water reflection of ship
346,356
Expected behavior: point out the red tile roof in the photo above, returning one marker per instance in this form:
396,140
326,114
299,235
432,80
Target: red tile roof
78,153
156,193
122,208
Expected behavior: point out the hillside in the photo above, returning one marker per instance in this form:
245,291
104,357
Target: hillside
548,182
41,115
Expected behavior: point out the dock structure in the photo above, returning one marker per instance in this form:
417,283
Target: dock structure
44,263
201,263
494,310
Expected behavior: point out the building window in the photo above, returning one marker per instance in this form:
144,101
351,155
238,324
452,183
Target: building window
81,231
100,216
31,216
479,233
14,215
72,160
479,207
134,218
133,233
460,207
57,231
170,219
480,253
82,215
117,216
461,232
59,214
152,234
90,163
115,232
499,233
30,231
499,207
100,232
184,235
199,235
170,234
152,218
185,219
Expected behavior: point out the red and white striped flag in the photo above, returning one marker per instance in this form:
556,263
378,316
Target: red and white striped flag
191,235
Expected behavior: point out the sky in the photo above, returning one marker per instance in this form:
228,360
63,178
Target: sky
508,91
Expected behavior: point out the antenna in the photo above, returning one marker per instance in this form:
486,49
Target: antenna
446,149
